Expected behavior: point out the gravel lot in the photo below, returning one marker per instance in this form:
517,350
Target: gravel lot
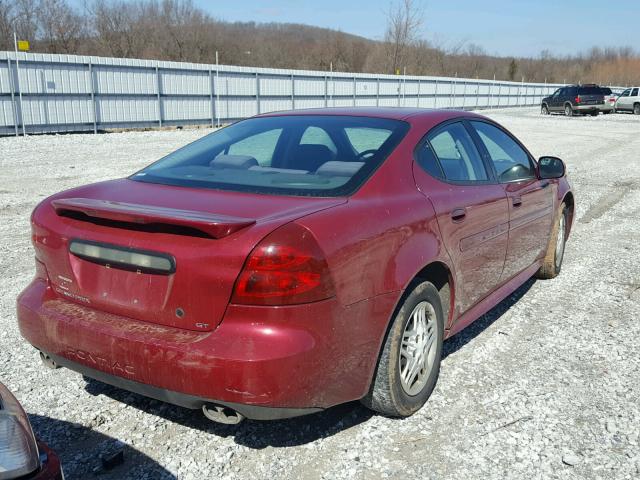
547,385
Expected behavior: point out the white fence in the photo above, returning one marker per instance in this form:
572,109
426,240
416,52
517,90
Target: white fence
42,93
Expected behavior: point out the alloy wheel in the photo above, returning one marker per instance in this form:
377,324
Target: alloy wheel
418,348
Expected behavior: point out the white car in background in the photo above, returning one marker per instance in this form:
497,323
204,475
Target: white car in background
609,100
629,101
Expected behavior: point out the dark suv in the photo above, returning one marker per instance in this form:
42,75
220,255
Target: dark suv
574,99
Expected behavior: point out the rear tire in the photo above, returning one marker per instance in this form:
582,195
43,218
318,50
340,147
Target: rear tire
552,263
594,114
568,110
409,364
636,109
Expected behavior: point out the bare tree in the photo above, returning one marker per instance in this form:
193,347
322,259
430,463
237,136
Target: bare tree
117,28
6,28
513,69
180,30
62,28
404,21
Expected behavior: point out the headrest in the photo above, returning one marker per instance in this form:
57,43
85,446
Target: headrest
233,161
311,156
277,170
339,169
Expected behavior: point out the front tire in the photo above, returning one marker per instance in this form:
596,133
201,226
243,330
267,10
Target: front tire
545,110
409,364
552,263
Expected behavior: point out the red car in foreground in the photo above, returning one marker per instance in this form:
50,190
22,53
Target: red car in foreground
22,456
294,261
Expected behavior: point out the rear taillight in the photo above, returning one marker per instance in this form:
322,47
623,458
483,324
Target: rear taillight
285,268
578,99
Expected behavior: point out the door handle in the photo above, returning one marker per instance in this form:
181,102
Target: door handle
458,214
517,201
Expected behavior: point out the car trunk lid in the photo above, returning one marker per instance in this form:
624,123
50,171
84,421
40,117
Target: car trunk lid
162,254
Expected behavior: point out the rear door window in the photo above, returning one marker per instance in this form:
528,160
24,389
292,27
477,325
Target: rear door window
511,161
634,92
458,156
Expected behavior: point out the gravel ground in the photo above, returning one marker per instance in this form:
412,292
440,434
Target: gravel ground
547,385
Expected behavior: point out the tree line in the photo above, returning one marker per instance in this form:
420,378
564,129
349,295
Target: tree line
178,30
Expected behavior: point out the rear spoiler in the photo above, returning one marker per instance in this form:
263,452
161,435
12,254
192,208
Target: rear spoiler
213,225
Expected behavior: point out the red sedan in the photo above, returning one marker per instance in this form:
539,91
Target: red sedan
294,261
22,456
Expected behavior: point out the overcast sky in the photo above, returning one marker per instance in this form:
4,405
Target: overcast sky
507,27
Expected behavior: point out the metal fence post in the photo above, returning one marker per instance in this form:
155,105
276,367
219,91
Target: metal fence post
435,95
211,101
491,89
93,99
293,93
419,85
477,93
258,92
19,91
377,91
453,92
326,92
355,81
19,88
13,96
333,90
159,99
499,92
464,95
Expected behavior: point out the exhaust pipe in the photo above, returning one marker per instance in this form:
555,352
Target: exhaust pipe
220,414
48,361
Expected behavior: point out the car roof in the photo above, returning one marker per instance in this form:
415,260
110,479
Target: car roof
393,113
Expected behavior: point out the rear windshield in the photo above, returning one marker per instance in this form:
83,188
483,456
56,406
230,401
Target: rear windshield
590,91
310,155
606,91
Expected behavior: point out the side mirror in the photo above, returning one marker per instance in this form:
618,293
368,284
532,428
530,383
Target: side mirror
551,167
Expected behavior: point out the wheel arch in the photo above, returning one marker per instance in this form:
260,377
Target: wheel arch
441,276
569,201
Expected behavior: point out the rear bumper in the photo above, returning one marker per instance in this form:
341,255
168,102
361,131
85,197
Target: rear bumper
587,108
292,360
181,399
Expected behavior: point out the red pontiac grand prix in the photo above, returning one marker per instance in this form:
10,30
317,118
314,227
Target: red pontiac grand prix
294,261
